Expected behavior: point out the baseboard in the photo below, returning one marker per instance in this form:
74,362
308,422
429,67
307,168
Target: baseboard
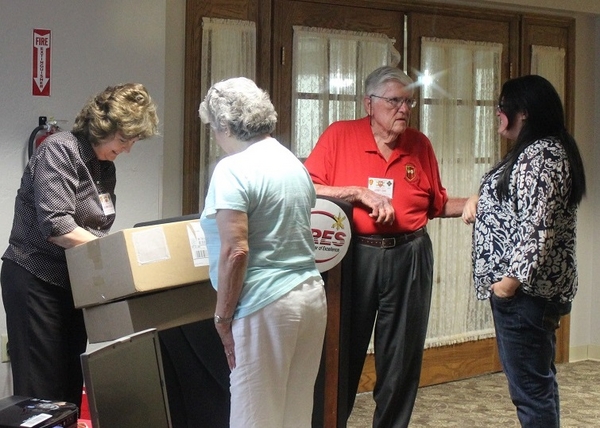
594,352
461,361
586,352
446,363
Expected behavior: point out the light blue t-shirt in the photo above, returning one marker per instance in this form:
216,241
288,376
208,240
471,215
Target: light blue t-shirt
271,185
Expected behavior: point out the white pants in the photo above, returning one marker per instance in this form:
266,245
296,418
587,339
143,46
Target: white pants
277,353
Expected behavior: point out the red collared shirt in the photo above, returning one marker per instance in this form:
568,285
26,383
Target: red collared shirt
347,155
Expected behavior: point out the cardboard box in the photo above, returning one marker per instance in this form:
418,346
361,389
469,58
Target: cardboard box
137,260
160,309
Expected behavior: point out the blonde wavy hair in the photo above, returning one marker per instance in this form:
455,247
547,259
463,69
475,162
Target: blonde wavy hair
125,108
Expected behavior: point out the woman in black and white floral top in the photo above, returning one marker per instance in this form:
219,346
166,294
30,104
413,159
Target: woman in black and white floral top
524,242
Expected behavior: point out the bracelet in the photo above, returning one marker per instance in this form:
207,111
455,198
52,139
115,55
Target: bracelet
222,320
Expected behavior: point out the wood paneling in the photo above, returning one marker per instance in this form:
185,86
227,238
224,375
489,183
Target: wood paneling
446,363
331,352
557,32
251,10
499,28
449,363
289,13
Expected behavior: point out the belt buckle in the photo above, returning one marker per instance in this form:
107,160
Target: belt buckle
388,242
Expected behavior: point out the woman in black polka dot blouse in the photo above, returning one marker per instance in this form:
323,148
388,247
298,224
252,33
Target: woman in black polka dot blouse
66,198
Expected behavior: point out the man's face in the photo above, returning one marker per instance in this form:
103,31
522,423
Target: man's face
389,107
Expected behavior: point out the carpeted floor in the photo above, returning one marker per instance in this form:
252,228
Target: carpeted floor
483,401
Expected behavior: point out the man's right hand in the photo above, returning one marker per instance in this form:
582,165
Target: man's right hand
382,210
381,206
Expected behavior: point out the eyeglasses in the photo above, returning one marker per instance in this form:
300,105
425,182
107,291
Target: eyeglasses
397,102
500,108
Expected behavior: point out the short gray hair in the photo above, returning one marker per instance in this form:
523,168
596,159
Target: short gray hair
384,74
239,106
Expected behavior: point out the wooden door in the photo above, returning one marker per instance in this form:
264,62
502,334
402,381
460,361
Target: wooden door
555,32
467,359
290,13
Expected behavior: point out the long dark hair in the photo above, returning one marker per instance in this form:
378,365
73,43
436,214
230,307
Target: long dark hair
536,97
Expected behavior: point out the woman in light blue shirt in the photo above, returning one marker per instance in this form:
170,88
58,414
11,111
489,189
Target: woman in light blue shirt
271,307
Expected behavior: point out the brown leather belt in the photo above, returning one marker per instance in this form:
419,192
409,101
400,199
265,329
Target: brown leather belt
390,241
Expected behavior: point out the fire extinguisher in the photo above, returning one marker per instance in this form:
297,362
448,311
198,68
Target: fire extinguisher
41,132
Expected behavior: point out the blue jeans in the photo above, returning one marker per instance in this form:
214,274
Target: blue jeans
525,332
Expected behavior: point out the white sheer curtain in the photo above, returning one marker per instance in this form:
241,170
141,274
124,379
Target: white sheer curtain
549,62
228,50
460,87
329,69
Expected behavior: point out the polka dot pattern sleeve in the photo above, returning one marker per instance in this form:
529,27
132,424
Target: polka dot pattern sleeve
59,191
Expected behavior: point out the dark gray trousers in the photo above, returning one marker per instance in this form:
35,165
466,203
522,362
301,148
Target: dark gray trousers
391,288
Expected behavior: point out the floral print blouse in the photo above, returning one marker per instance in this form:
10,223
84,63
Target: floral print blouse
530,236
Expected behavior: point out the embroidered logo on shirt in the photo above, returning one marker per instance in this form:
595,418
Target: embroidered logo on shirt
411,172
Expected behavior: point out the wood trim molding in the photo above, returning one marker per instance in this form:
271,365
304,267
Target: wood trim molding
464,360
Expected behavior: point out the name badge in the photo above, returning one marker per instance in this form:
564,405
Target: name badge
382,186
107,204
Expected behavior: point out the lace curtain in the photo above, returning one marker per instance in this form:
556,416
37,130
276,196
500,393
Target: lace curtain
460,86
549,61
329,69
228,50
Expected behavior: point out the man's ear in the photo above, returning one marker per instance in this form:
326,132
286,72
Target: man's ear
367,105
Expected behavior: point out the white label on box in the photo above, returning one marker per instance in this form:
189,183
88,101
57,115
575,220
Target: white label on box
197,244
150,245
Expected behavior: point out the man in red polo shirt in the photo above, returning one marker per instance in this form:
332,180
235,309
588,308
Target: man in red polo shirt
389,173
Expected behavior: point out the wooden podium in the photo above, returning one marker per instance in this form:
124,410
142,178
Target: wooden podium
327,411
196,370
330,405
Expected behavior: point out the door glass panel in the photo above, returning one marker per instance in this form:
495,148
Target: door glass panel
460,86
329,68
